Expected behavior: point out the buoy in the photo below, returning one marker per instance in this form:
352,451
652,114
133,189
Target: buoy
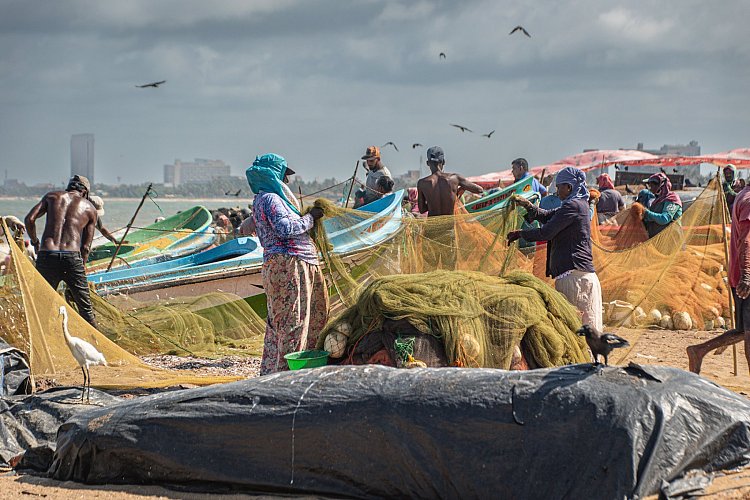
335,344
654,316
682,321
666,322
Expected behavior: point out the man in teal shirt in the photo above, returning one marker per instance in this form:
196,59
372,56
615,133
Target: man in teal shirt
666,207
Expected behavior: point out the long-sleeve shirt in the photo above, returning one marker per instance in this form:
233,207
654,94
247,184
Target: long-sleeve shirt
567,231
659,215
281,230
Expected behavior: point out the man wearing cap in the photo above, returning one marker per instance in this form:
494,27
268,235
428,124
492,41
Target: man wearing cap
66,240
520,170
437,195
666,206
375,170
98,203
567,231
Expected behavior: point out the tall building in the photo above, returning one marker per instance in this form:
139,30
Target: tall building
198,171
82,156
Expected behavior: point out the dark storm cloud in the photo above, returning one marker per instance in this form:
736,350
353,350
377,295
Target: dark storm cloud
333,76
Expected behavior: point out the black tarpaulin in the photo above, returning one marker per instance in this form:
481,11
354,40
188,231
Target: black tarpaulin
372,431
15,375
31,422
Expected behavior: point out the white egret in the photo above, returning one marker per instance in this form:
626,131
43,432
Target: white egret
86,354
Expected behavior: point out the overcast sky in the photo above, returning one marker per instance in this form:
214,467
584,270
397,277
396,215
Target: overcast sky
318,81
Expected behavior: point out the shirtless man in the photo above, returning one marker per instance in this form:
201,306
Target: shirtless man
437,194
66,241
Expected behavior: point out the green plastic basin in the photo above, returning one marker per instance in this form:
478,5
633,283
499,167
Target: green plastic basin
306,359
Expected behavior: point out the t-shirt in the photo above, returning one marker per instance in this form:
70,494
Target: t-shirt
373,176
740,229
610,202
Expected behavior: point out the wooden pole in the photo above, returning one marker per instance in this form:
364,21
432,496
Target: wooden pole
301,205
354,176
127,229
724,208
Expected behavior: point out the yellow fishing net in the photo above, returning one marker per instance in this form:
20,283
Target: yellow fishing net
29,320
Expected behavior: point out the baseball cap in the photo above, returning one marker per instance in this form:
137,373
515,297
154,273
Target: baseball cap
436,153
98,204
83,181
289,171
372,152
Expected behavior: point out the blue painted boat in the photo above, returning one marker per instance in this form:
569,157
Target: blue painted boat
229,250
500,198
240,275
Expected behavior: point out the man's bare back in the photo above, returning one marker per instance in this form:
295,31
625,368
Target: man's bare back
437,193
70,224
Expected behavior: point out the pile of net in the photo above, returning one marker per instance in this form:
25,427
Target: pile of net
198,326
478,318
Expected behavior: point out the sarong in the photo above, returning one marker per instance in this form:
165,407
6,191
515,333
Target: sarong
584,291
297,299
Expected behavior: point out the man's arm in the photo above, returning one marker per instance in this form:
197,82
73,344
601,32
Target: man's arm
105,232
562,217
664,217
469,186
87,237
421,201
37,211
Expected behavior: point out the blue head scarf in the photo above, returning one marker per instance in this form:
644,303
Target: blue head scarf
577,179
267,174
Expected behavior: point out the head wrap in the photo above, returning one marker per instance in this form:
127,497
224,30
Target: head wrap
605,182
577,179
664,191
267,174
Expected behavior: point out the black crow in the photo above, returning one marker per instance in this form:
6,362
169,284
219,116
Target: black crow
442,55
628,190
389,143
154,85
520,28
488,136
601,343
417,145
463,129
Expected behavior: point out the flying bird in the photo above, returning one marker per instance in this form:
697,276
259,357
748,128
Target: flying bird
520,28
85,354
675,170
229,193
417,145
626,168
662,170
442,55
601,343
153,84
463,129
488,136
628,190
617,167
389,143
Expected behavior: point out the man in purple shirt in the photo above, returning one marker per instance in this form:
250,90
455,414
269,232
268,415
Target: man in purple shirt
296,291
567,231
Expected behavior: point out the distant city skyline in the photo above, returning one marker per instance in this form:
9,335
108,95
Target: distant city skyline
318,81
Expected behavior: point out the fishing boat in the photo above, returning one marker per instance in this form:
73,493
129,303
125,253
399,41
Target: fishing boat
246,246
240,276
181,234
500,198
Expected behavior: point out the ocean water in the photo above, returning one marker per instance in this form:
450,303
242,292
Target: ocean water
119,211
